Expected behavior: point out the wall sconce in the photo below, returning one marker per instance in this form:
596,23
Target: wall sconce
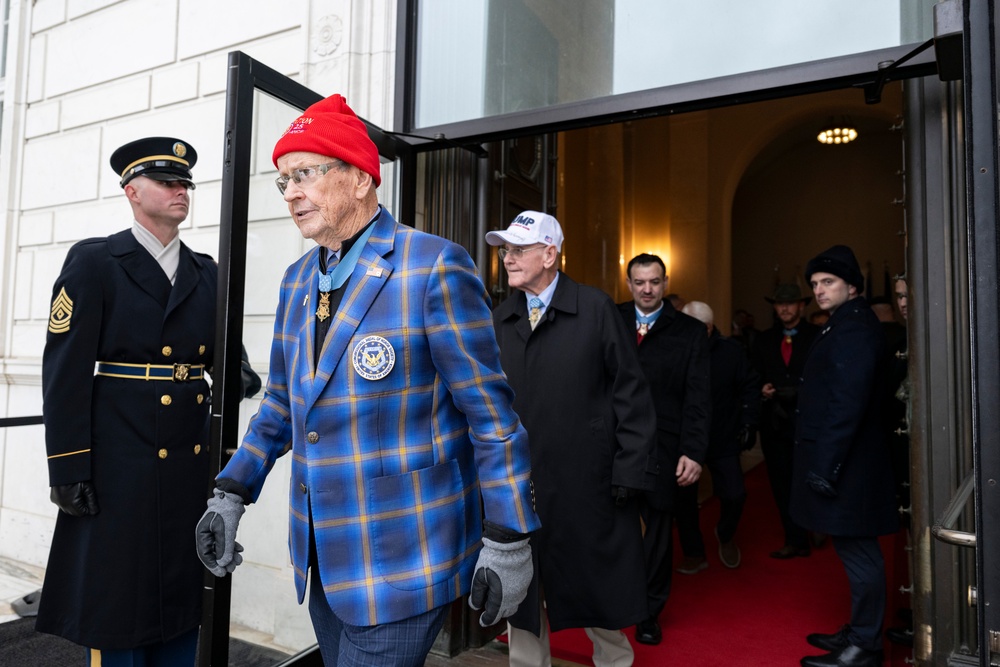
838,131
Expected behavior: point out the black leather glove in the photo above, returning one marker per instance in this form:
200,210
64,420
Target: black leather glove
821,486
76,499
622,494
249,380
748,436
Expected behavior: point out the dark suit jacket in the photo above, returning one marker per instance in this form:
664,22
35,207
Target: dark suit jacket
839,434
674,356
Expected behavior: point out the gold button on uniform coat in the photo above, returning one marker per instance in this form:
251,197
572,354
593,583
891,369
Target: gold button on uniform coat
167,350
165,399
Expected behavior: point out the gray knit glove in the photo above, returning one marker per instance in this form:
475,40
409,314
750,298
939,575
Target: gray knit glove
501,579
216,533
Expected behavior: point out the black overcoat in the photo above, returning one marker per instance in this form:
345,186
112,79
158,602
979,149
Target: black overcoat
585,404
675,358
777,414
735,395
128,576
839,432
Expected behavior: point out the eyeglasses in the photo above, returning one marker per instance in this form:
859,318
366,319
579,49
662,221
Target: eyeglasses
517,251
305,175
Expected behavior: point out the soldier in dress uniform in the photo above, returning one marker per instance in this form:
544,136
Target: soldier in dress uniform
126,409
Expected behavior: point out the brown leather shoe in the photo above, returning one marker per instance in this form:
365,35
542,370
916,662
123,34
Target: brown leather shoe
788,551
729,553
692,565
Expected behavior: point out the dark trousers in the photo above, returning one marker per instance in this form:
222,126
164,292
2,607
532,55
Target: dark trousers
778,456
862,560
729,488
178,652
658,547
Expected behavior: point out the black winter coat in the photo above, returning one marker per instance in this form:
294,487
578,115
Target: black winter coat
128,576
585,404
735,395
839,434
777,414
674,356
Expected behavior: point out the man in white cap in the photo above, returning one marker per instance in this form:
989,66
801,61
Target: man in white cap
584,400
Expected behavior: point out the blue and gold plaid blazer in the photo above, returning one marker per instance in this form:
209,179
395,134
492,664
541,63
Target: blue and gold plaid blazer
402,436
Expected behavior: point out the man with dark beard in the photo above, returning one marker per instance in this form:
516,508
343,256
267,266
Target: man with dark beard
778,356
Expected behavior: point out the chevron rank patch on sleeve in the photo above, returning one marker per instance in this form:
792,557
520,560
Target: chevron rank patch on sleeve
62,313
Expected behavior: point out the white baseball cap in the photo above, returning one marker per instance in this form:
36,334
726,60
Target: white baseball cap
529,228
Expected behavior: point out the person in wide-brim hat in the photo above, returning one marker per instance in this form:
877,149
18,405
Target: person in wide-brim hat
788,293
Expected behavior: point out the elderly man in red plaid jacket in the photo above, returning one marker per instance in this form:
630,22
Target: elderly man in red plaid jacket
385,384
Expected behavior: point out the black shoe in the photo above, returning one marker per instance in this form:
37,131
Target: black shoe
648,632
788,551
834,642
901,636
849,656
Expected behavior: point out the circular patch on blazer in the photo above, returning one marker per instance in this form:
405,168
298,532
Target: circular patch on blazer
373,358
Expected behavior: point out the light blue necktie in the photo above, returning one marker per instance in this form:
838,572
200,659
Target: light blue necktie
534,311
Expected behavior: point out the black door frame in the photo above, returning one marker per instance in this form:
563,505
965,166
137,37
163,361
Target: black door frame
982,193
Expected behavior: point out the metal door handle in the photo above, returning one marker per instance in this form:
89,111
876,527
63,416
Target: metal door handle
944,528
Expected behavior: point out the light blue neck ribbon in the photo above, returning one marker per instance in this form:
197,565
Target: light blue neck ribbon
647,319
335,279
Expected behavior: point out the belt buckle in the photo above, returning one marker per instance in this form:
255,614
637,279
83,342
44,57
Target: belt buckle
181,372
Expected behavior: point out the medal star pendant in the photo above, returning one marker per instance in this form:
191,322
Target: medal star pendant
643,328
323,309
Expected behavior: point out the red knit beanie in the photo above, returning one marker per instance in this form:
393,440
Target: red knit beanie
330,127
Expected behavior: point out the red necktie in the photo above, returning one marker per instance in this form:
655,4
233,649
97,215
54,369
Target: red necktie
786,348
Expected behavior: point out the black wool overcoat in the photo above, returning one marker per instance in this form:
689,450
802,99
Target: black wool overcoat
586,406
674,355
839,434
777,415
128,576
735,395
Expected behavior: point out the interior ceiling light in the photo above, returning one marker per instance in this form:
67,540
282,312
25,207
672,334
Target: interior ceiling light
838,131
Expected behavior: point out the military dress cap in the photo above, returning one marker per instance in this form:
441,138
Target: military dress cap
788,293
159,158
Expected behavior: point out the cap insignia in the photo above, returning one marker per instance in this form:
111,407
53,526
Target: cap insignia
180,150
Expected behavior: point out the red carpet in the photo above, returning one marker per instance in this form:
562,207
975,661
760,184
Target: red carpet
758,614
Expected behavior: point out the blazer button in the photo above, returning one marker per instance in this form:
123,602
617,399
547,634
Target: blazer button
201,349
312,437
197,450
167,350
200,399
162,453
166,400
303,487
